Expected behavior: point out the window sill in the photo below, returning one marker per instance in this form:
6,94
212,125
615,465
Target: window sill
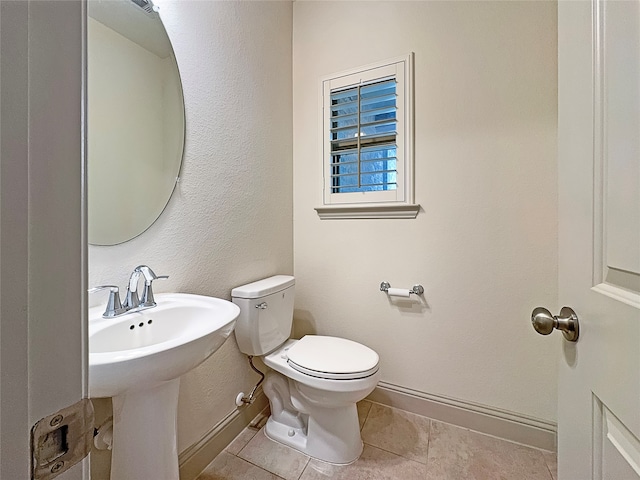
344,212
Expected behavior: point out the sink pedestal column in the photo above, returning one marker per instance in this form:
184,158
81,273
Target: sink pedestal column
144,433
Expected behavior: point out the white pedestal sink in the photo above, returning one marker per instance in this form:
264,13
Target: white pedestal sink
138,359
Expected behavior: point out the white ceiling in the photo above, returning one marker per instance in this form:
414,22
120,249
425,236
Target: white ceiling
130,21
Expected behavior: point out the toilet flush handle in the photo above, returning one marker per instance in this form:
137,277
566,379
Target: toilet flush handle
262,306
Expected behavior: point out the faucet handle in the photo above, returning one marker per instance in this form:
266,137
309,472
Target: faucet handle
131,299
114,306
147,295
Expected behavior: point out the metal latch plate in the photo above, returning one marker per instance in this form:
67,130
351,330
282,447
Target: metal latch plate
61,440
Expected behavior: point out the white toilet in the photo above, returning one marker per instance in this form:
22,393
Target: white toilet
314,383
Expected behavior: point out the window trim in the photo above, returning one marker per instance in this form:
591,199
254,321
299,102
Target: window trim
377,204
368,210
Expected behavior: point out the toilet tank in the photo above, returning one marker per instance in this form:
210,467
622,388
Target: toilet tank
266,314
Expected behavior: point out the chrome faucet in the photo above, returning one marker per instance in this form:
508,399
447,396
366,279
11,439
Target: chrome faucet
132,302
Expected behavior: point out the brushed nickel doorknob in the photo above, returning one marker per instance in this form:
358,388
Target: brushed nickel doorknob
566,321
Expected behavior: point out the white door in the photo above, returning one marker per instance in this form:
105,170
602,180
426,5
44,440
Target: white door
42,242
599,197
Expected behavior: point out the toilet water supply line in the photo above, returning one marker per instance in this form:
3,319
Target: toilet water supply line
241,399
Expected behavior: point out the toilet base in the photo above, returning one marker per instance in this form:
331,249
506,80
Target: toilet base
330,433
295,438
321,444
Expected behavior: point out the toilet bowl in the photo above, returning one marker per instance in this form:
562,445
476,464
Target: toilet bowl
314,383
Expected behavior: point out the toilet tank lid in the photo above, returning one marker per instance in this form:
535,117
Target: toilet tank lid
263,287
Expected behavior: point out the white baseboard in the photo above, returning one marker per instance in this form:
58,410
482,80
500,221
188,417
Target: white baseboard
511,426
194,459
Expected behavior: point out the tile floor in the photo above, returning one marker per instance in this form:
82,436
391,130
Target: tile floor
398,446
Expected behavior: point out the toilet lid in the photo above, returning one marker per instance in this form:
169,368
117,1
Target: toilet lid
332,358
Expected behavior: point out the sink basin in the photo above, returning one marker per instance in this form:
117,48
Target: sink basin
139,349
137,359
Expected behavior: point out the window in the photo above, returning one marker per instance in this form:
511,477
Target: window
367,155
363,137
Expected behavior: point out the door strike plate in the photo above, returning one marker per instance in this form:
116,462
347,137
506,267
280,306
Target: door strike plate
61,440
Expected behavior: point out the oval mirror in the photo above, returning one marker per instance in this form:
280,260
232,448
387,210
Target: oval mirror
135,119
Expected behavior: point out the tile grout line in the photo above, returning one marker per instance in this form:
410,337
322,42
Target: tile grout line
258,466
551,476
428,446
366,416
458,426
251,463
393,453
243,447
305,468
268,471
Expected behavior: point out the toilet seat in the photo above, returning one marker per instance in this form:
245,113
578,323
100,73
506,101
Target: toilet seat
332,358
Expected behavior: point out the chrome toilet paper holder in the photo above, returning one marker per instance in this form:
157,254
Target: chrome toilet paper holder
416,289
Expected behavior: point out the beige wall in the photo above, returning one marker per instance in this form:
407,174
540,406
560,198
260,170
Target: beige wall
484,242
230,220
